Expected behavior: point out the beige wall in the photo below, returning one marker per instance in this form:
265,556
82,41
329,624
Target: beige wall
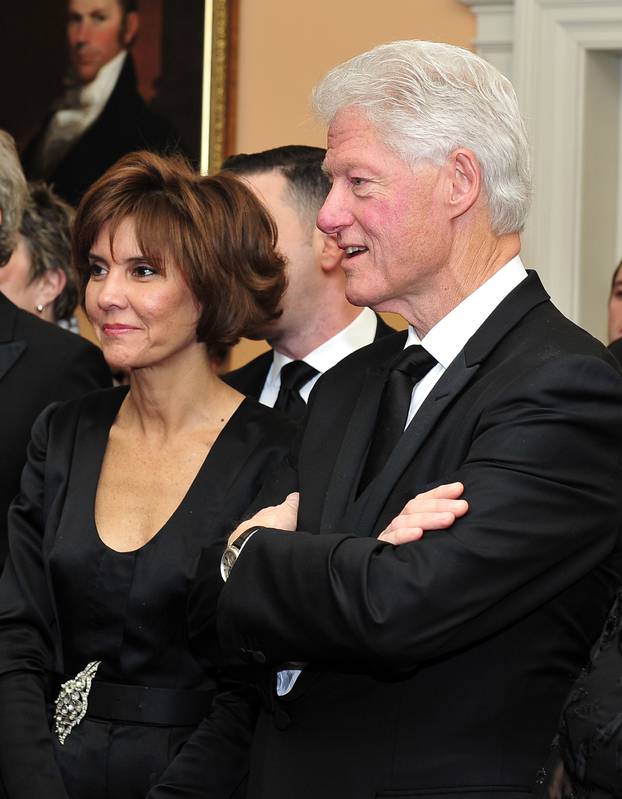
285,47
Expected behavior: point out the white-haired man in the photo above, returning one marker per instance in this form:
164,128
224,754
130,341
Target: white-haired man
436,668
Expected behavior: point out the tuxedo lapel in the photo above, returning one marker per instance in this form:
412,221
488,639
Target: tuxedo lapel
10,348
346,471
363,514
366,510
9,354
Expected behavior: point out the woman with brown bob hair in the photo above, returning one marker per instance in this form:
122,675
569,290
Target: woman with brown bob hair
107,603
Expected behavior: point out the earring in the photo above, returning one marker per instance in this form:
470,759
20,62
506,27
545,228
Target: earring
39,308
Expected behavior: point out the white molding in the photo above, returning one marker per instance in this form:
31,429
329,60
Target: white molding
495,31
552,39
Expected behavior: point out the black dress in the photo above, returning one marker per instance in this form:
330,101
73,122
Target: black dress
148,615
586,760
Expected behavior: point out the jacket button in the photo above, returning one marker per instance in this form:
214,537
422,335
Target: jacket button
281,719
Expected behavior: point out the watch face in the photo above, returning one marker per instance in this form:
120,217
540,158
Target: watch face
228,559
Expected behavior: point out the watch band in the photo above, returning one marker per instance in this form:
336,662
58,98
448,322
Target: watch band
232,552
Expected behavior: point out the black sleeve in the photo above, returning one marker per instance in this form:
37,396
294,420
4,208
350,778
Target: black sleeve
27,626
542,479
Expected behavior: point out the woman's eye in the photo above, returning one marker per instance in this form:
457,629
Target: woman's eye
96,270
144,270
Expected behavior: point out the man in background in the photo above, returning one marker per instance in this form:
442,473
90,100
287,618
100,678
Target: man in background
318,327
101,115
40,363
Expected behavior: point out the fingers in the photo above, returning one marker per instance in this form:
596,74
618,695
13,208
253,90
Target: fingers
292,500
401,536
421,521
445,491
423,503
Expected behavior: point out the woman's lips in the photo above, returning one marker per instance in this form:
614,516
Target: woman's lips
117,330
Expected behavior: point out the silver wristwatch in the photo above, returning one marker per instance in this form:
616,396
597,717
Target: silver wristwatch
232,552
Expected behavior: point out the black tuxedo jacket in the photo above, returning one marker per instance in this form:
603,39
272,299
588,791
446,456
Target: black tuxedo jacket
250,378
438,668
39,363
125,124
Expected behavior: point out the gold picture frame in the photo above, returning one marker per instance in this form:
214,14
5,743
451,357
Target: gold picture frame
219,83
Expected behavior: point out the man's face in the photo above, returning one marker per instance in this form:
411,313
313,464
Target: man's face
95,34
299,242
390,219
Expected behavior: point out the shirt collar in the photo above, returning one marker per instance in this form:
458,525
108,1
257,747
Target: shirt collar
99,90
449,336
357,334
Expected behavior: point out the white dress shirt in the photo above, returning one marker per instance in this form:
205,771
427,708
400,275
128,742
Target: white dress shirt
448,336
360,332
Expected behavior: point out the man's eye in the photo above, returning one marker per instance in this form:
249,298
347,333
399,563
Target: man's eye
100,17
357,181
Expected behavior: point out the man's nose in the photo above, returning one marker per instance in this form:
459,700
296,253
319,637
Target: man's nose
334,215
81,31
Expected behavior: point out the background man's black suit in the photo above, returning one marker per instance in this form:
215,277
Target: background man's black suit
250,378
39,363
438,668
125,124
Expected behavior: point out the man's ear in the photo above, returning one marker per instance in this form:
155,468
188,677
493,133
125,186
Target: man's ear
130,28
466,181
330,255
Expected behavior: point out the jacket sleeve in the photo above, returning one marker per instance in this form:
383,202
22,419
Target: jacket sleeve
542,477
27,626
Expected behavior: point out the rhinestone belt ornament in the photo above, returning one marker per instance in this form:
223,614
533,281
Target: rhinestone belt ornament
72,701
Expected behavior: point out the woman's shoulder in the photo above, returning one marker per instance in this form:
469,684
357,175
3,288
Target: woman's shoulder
95,403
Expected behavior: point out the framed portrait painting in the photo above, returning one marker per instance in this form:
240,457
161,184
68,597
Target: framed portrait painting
182,54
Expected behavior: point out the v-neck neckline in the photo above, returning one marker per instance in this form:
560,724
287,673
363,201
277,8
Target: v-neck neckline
187,497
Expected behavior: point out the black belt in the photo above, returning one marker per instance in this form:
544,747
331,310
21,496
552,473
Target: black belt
143,704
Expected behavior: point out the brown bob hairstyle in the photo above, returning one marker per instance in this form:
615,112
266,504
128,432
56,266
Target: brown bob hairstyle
213,229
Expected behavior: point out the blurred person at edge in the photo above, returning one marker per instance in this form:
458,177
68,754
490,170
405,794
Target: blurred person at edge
101,115
318,327
38,277
614,315
39,362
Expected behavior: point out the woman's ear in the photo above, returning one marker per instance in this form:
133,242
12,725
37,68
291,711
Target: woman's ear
49,286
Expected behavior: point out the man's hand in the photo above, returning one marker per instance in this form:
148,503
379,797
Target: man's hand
436,509
281,517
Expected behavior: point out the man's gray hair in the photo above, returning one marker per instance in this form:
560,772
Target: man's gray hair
13,195
428,99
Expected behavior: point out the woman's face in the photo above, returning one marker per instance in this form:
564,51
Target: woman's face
615,308
142,315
